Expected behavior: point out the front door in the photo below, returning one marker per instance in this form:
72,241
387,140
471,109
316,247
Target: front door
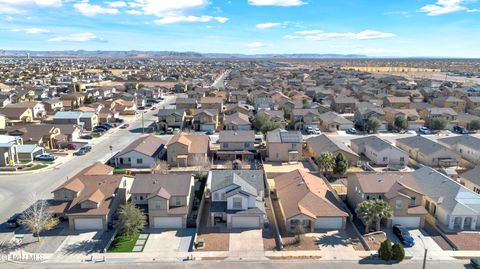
457,223
467,223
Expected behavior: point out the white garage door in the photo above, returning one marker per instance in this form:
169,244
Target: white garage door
167,222
245,222
329,223
407,222
205,127
88,224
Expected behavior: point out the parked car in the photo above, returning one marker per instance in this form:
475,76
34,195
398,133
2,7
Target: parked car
87,137
119,120
460,130
475,262
70,146
14,221
99,129
153,108
351,131
86,148
80,152
45,157
125,126
424,130
210,132
316,131
404,235
109,125
103,125
169,130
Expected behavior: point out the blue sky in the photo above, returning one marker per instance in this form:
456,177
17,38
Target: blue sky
438,28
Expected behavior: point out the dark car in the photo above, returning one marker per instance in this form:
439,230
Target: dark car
99,129
460,130
119,120
86,148
475,262
404,235
351,131
87,137
103,125
80,152
45,157
210,132
108,125
14,221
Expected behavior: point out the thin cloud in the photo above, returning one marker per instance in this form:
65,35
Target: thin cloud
255,45
190,19
268,25
32,31
282,3
319,35
90,10
442,7
80,37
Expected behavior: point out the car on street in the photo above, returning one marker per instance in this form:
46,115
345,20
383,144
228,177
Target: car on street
475,262
86,148
351,131
210,132
404,235
79,152
424,130
153,108
99,129
14,221
70,146
119,120
125,126
103,125
460,130
87,137
45,157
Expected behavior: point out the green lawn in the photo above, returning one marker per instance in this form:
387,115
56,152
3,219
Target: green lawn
119,171
95,135
36,167
123,243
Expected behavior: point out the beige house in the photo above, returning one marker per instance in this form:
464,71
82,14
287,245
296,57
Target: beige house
304,118
322,143
284,146
428,152
343,104
212,103
187,150
89,199
401,102
471,179
410,115
306,200
167,199
205,120
452,102
398,189
17,115
173,118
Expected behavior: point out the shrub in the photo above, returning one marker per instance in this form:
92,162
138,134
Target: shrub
385,251
398,253
299,234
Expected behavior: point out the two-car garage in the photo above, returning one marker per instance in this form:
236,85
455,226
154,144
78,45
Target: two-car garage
246,222
167,222
333,223
82,224
407,222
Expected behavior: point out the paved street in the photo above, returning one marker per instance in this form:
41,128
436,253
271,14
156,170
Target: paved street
15,188
309,264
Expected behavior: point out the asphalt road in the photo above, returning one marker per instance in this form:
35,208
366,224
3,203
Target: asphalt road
16,189
309,264
220,81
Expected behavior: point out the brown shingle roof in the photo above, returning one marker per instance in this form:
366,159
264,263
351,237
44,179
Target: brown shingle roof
147,145
195,143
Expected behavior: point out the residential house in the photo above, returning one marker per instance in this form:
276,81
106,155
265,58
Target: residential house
304,118
87,120
410,116
306,200
9,150
205,119
16,115
186,104
240,108
471,179
277,116
452,102
344,104
431,113
451,205
428,152
90,198
284,146
52,106
166,199
236,198
322,143
144,152
236,145
265,103
188,149
399,102
332,122
366,111
398,189
170,118
212,103
237,122
44,135
379,151
466,145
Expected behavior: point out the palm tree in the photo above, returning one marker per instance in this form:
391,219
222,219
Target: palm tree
365,211
382,210
326,161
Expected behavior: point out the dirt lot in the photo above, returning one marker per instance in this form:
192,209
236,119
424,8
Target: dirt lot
214,240
374,240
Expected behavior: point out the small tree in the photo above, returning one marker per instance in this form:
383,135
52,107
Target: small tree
385,250
373,124
365,211
263,124
381,210
131,220
474,125
299,233
400,123
37,218
398,253
161,167
438,124
341,164
326,161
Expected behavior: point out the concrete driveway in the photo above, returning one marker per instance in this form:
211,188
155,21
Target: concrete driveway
334,244
246,243
422,241
163,241
84,242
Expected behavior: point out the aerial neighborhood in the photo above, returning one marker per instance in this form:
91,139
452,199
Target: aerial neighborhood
246,159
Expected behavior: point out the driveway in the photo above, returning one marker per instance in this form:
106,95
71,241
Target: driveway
163,241
84,242
246,243
335,244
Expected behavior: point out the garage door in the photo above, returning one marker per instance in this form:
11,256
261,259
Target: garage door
88,224
205,127
407,222
245,222
167,222
329,223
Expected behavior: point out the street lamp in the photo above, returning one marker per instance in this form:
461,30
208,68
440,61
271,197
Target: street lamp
425,253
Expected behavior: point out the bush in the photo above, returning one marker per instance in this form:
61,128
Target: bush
398,253
299,234
385,251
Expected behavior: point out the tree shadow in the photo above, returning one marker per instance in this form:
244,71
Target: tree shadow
333,240
83,247
7,247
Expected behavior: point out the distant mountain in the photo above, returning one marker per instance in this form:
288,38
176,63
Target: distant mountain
168,54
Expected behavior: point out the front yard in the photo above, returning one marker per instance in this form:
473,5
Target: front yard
123,243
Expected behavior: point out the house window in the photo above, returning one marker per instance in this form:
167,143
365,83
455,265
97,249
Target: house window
412,202
237,202
385,159
402,159
129,160
139,161
222,196
398,204
225,145
178,201
247,145
293,146
141,198
158,204
216,196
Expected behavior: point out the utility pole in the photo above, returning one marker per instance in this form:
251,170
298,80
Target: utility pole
425,258
143,123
